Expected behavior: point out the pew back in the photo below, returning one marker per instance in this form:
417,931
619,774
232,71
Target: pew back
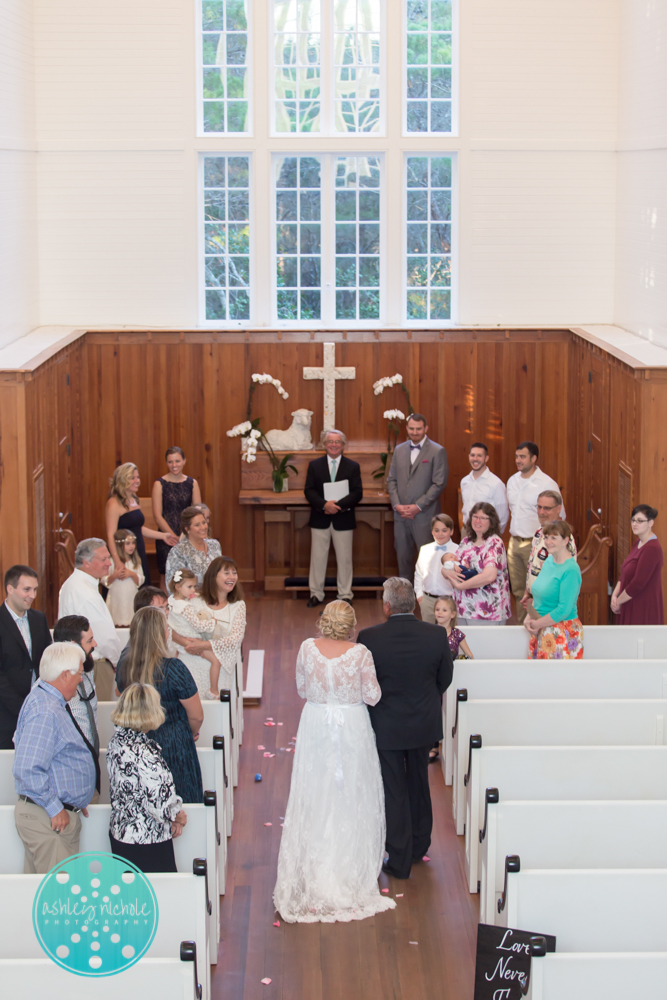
601,642
168,978
585,976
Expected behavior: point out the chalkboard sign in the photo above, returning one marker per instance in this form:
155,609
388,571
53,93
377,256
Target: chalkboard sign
502,968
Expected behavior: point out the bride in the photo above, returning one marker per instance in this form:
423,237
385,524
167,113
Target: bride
333,838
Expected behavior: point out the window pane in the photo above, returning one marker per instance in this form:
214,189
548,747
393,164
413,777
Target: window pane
357,236
298,229
225,79
428,217
297,44
428,56
356,83
227,237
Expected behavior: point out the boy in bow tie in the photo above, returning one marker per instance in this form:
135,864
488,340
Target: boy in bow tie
429,581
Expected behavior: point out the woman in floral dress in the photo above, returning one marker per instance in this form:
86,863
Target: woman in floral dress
478,570
557,634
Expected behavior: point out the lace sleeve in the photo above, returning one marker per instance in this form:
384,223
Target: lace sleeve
370,689
235,638
199,624
301,673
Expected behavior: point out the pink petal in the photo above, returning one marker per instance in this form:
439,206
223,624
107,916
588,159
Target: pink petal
269,718
266,754
270,755
426,858
279,723
261,747
265,982
399,895
268,824
276,923
413,942
384,890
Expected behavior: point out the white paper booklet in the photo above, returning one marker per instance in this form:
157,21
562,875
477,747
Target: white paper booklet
336,491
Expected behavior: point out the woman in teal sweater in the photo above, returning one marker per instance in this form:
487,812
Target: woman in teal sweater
557,633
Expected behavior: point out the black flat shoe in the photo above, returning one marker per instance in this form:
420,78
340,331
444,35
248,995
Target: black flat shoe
313,602
390,871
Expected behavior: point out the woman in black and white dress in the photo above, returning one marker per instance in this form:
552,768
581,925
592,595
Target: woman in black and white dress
146,812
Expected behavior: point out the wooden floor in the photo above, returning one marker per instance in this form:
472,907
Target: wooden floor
371,959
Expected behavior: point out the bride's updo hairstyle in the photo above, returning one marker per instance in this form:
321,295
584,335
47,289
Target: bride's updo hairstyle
337,620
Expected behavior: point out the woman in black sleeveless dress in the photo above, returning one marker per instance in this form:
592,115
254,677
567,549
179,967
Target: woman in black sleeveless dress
171,495
124,511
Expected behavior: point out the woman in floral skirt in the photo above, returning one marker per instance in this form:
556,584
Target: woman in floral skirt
556,633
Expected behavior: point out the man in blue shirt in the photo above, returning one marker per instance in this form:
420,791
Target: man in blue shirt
54,773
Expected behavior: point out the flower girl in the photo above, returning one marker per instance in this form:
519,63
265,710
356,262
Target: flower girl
123,583
188,612
445,615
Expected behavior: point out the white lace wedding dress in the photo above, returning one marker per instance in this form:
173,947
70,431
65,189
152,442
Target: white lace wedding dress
333,838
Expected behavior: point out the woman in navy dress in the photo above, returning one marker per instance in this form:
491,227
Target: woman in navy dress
124,511
171,495
148,662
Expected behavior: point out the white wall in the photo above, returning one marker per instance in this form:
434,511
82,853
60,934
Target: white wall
19,286
641,283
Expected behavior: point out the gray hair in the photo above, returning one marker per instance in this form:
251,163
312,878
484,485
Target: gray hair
552,494
399,594
59,657
332,430
86,549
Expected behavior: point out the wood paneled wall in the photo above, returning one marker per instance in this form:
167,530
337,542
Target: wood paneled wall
116,397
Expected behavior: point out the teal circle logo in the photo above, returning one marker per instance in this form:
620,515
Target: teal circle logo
95,914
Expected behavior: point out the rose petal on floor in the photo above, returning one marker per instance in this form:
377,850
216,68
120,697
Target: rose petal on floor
276,923
399,895
268,824
384,890
265,982
426,858
413,942
261,747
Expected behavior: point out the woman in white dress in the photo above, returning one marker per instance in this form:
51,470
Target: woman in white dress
333,837
222,597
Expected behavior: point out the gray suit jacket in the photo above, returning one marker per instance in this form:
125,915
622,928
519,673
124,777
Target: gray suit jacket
421,483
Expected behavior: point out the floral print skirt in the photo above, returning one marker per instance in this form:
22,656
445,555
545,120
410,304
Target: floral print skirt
563,641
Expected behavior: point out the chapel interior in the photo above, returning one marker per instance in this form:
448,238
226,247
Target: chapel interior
135,308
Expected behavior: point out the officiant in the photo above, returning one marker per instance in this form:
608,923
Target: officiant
333,489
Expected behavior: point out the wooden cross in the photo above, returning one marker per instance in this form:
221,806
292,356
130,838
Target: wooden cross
329,373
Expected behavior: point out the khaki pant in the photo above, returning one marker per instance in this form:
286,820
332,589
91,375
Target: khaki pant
320,541
427,608
517,564
44,848
104,676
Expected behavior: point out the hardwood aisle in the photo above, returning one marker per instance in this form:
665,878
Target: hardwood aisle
369,959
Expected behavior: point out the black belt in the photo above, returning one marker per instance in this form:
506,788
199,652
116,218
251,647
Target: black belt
66,805
436,597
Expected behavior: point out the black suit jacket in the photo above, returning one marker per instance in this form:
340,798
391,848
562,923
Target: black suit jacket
16,667
414,668
316,477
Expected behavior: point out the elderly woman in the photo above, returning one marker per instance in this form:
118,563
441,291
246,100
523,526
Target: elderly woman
637,596
171,495
123,510
148,662
146,812
556,632
195,551
478,570
222,594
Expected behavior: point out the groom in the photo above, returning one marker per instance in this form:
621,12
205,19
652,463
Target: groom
414,668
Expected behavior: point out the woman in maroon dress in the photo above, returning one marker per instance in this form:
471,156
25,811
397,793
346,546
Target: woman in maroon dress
637,596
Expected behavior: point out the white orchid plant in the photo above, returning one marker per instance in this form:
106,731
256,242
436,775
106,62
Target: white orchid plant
395,418
252,435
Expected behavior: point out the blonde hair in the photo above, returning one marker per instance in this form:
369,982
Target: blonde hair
139,708
452,604
120,483
120,537
186,574
337,620
148,647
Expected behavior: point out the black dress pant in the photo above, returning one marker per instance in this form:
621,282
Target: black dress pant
147,857
407,800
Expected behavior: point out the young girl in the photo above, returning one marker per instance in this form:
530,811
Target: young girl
445,615
123,583
187,612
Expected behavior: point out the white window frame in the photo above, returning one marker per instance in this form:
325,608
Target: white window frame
328,319
429,324
444,136
233,324
326,80
199,36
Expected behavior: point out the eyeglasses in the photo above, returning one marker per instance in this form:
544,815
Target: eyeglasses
540,507
480,517
638,520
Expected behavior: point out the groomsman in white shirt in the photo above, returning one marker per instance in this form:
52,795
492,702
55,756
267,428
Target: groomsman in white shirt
523,489
481,486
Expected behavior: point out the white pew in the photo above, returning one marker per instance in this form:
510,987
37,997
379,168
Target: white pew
555,722
197,841
570,976
605,910
183,917
611,642
239,696
252,692
553,773
548,679
550,835
167,978
211,761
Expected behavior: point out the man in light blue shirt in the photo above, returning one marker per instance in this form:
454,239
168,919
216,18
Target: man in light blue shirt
54,773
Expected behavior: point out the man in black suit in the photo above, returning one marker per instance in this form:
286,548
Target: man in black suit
24,635
331,521
414,668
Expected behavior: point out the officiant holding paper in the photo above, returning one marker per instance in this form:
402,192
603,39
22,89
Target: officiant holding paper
333,489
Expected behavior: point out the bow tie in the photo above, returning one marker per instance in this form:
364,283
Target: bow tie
417,446
441,548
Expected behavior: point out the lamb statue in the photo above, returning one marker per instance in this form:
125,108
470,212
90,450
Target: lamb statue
295,438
